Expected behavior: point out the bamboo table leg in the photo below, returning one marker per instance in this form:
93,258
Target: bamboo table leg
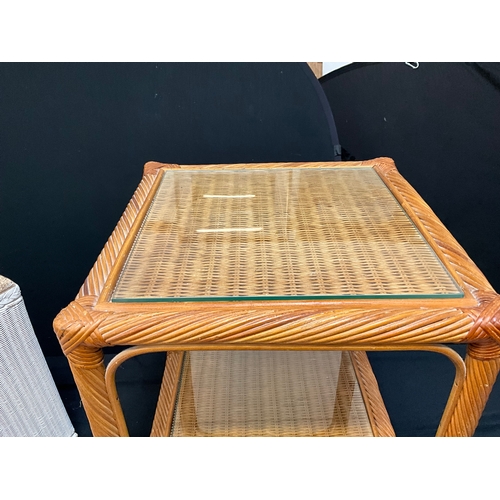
87,366
73,326
482,364
166,399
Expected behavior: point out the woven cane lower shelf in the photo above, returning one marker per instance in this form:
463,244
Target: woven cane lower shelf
270,394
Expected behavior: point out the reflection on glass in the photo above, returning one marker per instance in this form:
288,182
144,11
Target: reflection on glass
279,233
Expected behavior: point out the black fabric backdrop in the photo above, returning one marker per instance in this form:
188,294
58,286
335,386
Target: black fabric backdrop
74,139
441,125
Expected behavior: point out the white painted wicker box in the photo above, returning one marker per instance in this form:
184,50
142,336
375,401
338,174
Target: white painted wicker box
30,405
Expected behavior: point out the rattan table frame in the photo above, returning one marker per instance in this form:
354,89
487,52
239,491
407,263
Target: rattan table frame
92,322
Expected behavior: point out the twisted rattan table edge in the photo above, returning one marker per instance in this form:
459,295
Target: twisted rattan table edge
461,263
95,283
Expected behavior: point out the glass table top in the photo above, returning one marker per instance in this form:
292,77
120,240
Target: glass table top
267,234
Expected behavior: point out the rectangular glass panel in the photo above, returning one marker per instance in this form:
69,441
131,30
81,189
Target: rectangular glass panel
269,393
279,234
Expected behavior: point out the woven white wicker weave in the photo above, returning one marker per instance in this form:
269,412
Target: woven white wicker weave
30,405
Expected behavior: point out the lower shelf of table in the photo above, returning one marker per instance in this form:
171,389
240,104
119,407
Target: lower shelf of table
278,393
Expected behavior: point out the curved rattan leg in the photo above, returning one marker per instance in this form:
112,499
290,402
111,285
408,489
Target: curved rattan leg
376,409
87,366
163,417
482,364
165,407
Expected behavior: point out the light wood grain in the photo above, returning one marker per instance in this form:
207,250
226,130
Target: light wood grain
317,68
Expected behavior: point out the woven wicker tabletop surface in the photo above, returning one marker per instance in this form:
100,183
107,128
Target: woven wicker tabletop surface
282,233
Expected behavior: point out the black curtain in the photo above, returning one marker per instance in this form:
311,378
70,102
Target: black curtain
441,125
74,139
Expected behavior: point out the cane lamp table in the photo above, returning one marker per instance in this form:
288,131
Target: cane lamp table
266,284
